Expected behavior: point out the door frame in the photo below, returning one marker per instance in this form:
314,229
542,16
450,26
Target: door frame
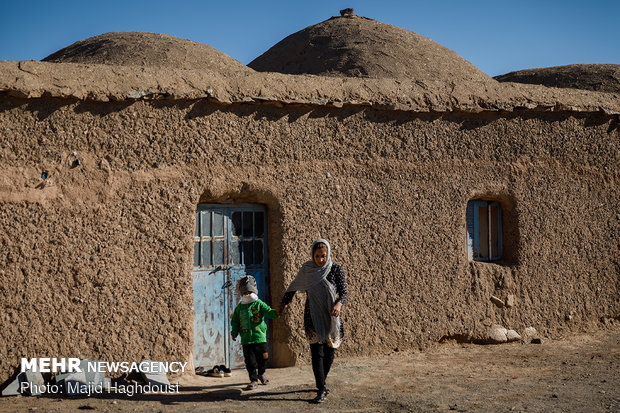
231,298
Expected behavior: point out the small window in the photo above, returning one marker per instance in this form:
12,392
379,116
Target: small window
484,230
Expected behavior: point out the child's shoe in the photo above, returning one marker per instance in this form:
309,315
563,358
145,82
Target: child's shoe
263,379
252,386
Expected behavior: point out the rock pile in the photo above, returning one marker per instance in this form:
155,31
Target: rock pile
497,334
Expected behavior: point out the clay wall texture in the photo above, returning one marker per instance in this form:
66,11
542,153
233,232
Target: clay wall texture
97,262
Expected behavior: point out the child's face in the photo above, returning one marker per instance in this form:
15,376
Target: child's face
320,257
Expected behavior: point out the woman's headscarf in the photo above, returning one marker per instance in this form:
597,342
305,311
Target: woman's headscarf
310,274
321,294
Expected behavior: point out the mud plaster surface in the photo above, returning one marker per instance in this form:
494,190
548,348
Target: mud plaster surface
97,261
96,82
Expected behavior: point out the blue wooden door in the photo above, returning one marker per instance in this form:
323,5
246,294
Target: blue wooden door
230,242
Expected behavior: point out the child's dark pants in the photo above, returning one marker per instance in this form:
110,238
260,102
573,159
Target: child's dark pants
322,359
254,359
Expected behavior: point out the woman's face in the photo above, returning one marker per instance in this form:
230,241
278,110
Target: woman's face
320,257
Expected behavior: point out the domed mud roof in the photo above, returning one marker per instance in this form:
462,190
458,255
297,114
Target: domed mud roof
353,46
146,49
598,77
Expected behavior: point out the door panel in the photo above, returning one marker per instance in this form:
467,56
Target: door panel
210,318
235,351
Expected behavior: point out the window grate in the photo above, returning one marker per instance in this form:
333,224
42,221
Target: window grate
484,230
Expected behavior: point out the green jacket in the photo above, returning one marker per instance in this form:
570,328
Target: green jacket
249,320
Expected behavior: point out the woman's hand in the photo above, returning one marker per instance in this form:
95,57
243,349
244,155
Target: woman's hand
336,310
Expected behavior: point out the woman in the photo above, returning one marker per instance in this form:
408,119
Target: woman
326,290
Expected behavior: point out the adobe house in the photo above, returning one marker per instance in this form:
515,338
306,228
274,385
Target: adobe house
141,175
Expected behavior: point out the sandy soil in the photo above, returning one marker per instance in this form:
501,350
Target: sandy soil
575,373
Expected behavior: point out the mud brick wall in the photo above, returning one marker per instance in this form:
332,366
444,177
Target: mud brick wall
96,260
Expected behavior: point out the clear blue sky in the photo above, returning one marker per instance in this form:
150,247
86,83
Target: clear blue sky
496,36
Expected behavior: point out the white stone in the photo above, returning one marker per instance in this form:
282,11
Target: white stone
530,332
497,301
92,377
510,301
36,381
497,334
14,388
156,378
512,335
74,383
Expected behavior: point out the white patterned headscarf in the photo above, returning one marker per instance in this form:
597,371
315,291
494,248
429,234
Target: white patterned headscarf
321,294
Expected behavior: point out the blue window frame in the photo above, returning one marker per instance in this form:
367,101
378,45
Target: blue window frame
227,236
484,230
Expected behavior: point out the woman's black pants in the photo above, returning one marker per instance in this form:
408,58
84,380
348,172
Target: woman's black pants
322,359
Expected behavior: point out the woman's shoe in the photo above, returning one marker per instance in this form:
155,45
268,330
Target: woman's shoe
225,370
263,379
320,396
215,372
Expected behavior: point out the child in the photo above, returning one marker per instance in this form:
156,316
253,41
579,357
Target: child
248,319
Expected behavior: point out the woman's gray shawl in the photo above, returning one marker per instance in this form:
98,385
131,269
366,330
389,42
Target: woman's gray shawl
321,295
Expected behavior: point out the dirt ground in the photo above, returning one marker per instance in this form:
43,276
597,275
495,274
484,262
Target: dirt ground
574,373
